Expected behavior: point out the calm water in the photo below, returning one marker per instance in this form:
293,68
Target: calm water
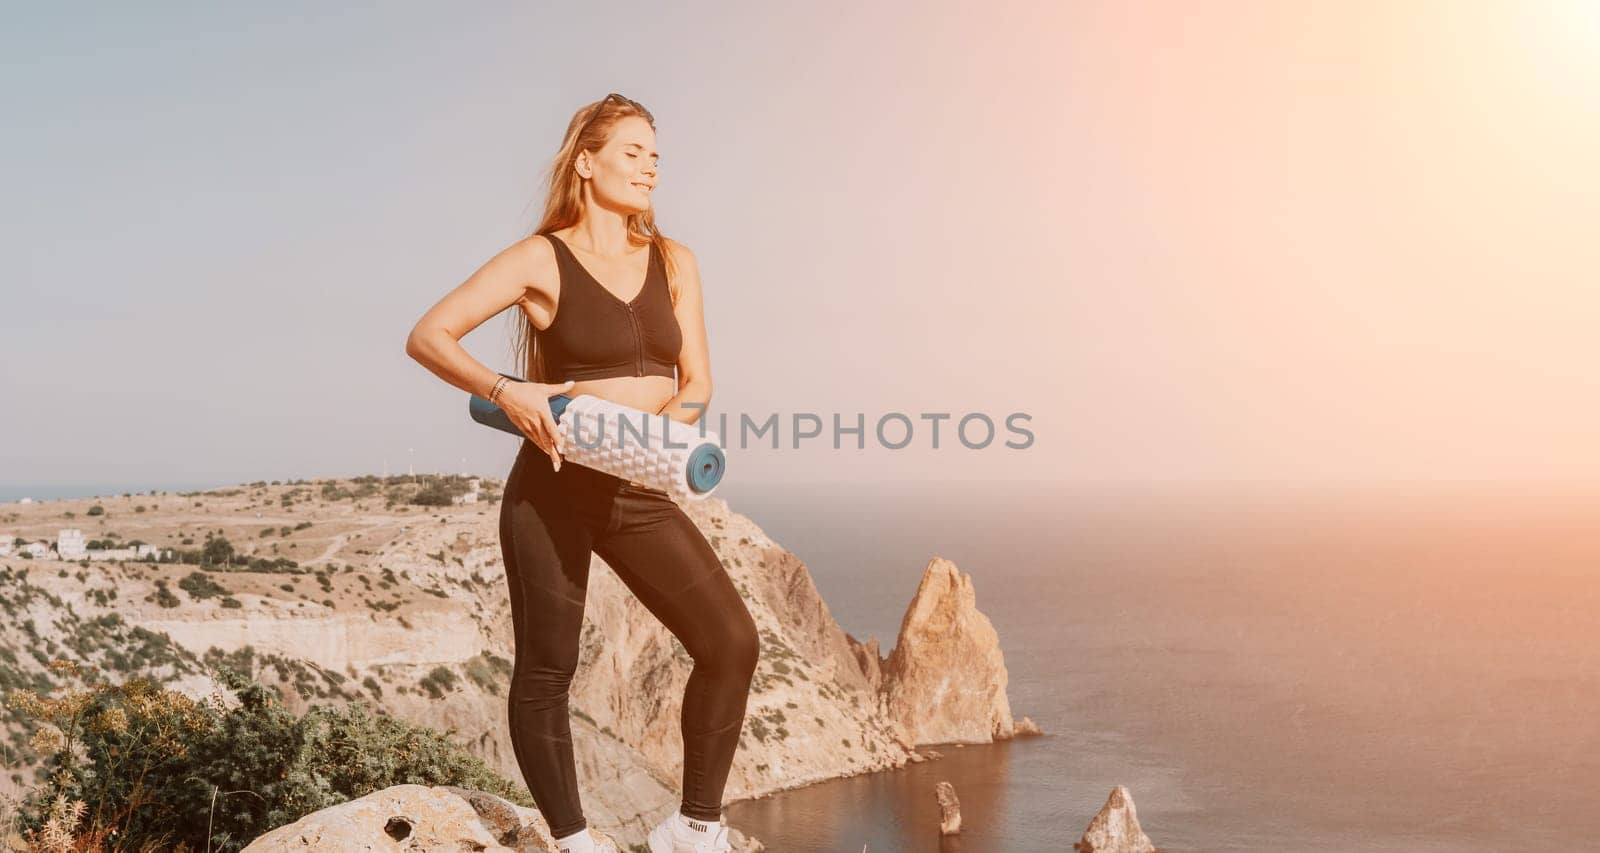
1270,671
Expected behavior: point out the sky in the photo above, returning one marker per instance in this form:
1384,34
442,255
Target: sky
1191,243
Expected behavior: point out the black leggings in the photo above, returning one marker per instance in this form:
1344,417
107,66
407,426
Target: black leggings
550,521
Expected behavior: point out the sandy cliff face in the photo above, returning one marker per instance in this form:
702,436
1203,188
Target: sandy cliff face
332,639
408,609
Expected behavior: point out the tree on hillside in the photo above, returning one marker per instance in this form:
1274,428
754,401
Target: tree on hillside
218,551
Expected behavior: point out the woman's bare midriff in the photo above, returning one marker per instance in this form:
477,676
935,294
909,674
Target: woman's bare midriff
645,393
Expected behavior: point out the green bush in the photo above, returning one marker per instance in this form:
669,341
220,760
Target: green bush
136,767
164,596
489,671
433,494
439,682
200,585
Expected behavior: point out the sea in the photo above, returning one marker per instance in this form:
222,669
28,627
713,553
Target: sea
1283,667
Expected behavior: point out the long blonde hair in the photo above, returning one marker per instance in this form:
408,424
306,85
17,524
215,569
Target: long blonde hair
589,130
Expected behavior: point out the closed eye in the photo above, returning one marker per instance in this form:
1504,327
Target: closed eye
654,157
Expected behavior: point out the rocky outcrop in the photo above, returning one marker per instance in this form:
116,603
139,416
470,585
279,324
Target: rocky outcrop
421,818
869,659
415,817
945,681
949,809
1116,828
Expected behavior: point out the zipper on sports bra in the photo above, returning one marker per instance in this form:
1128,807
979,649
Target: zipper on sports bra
638,344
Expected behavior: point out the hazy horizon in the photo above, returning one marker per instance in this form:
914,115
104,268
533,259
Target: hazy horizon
736,491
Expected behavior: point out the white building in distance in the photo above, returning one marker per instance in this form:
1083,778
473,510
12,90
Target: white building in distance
70,544
37,550
471,497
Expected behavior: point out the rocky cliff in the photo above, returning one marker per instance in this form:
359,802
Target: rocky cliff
405,606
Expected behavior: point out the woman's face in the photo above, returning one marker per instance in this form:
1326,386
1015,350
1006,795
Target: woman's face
623,172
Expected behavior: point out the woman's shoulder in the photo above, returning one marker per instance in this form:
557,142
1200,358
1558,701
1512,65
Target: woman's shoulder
537,263
539,244
536,252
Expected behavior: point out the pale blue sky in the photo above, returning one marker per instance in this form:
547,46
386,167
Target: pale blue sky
219,224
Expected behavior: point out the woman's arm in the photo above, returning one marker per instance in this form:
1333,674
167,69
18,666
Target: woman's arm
694,362
503,281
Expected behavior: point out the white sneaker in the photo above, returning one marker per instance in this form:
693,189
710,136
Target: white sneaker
588,844
671,836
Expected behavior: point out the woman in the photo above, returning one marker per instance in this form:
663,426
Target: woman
606,306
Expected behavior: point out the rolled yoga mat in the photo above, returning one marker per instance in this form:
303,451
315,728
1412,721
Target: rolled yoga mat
592,435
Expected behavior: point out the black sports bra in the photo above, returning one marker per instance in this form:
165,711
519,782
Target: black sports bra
596,335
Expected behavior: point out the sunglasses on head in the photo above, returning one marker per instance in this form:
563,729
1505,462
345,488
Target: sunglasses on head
600,107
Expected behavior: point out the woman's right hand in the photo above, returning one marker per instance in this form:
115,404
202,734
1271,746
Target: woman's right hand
527,404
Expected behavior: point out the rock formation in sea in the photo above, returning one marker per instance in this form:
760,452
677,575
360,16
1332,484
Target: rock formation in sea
945,680
1116,828
949,809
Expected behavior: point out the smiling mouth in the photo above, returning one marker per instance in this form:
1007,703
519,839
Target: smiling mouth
645,187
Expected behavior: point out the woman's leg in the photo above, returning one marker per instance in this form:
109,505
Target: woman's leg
547,522
663,558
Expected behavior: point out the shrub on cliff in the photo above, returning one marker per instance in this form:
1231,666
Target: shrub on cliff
437,491
433,494
200,585
132,766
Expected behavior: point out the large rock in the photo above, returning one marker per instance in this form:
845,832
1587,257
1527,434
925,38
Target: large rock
949,808
415,817
427,819
1116,828
945,681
